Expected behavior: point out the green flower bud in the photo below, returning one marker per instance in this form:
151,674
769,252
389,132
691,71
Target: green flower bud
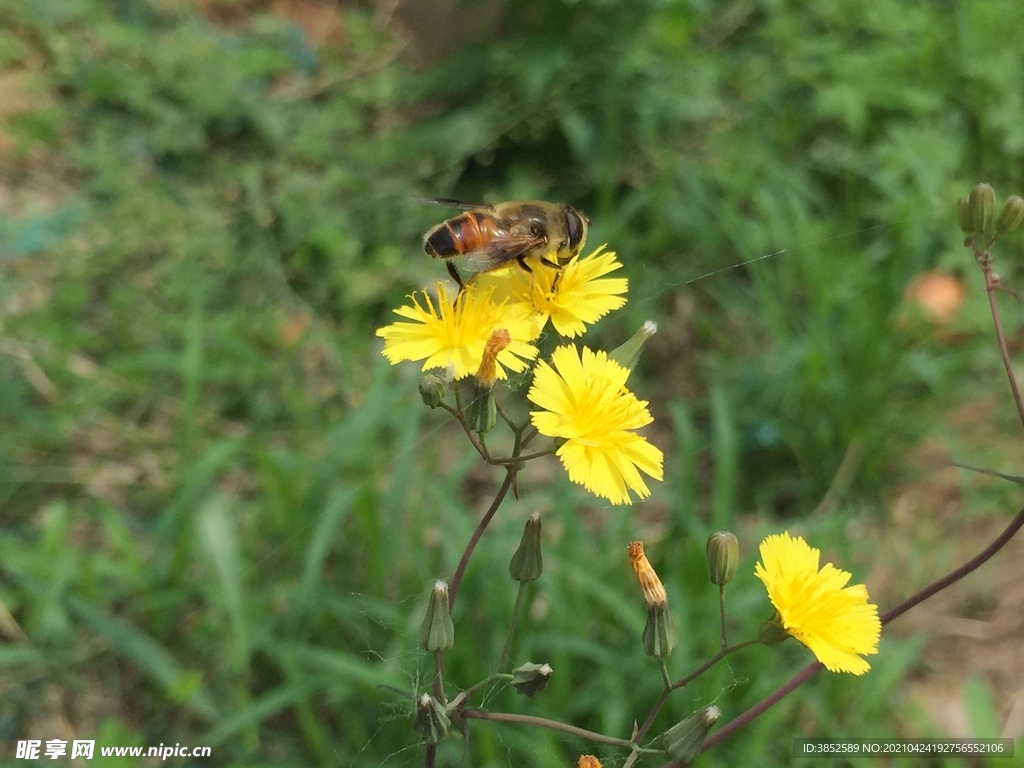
628,355
963,215
437,632
723,553
983,202
432,389
684,740
431,722
482,412
659,637
527,563
531,678
771,632
1011,215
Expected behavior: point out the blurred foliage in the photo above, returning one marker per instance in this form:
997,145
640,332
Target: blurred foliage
221,512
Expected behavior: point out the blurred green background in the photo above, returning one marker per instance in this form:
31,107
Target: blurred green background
221,510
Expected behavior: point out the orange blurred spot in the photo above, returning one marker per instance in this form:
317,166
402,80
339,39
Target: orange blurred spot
939,295
294,327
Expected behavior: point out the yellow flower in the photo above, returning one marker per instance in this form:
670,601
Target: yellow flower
454,335
816,607
585,401
572,298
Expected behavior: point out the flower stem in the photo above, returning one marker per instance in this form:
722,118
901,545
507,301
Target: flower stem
554,725
506,484
681,682
721,611
526,457
462,697
991,283
512,625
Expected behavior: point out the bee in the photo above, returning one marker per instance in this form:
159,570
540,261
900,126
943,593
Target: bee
489,237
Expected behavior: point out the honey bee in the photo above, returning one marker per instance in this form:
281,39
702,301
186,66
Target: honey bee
489,237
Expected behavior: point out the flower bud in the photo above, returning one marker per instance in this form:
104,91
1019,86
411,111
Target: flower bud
628,355
723,554
437,633
527,563
432,389
531,678
771,632
481,413
983,202
588,761
659,638
1011,215
431,722
684,740
963,215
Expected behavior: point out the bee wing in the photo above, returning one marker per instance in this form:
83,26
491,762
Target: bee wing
448,202
499,253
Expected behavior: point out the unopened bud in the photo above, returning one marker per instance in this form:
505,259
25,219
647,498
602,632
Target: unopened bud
437,633
983,203
723,553
684,740
771,632
527,563
963,215
628,355
432,389
431,722
482,412
531,678
1011,215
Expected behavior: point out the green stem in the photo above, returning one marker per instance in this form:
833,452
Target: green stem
512,625
526,457
554,725
721,611
681,682
462,697
664,675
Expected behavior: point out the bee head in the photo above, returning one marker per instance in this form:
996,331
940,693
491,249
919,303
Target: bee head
576,230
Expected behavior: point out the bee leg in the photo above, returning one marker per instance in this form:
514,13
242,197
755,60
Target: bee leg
555,266
455,276
522,263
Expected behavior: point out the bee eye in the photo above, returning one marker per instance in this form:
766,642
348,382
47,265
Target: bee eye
576,228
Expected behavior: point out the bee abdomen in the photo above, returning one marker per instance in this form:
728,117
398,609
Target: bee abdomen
457,236
440,242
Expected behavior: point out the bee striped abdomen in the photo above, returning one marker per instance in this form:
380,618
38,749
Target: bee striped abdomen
463,234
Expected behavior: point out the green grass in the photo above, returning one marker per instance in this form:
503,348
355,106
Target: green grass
221,510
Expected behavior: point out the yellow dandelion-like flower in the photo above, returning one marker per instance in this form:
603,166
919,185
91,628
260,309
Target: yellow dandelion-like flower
816,607
588,761
576,296
453,335
586,402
